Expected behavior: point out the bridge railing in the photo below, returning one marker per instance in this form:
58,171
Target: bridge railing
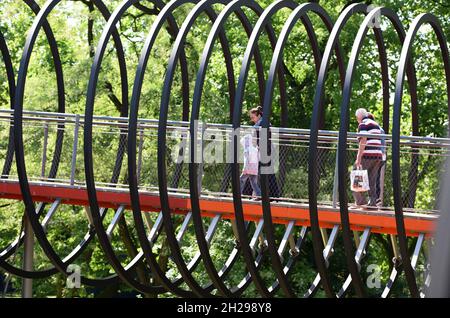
421,158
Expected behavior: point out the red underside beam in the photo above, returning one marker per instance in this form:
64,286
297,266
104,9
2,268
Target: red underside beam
379,222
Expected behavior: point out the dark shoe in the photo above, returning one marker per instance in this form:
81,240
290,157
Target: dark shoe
370,207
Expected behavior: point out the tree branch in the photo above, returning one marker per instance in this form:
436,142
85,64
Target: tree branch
90,34
112,97
147,10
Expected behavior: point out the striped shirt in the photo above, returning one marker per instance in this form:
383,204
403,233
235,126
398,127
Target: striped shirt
373,147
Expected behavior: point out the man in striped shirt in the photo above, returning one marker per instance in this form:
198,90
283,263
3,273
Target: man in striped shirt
369,157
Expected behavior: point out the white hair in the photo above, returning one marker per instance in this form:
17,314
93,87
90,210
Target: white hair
361,113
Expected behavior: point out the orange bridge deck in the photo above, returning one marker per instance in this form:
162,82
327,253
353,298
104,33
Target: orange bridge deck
381,221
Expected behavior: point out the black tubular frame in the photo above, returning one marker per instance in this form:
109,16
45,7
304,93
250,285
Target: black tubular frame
185,284
106,245
232,7
165,13
202,6
315,119
261,24
399,83
40,21
8,251
344,122
299,13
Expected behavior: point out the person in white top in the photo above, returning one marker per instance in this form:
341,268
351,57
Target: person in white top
251,162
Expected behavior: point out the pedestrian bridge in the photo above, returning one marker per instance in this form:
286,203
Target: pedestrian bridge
44,132
136,176
68,185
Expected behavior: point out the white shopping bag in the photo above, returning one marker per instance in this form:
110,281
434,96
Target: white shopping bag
359,180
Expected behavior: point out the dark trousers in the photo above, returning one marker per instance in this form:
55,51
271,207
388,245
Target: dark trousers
380,182
253,182
273,187
373,170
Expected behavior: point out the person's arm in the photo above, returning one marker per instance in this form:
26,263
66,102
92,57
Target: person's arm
361,148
